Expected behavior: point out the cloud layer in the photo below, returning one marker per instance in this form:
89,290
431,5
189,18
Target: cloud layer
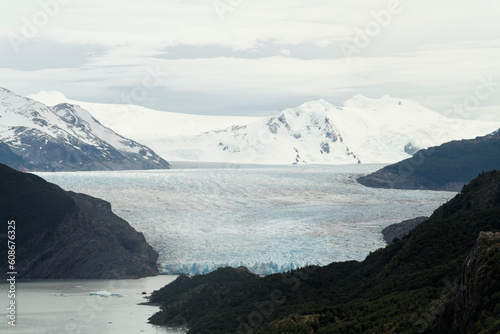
254,57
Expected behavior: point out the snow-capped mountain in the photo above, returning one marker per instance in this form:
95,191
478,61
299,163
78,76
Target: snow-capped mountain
363,130
66,137
301,135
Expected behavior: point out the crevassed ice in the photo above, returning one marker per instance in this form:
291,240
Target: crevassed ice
267,218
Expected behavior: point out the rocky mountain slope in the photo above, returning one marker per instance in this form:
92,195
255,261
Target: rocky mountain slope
445,167
61,234
10,158
363,130
472,307
66,138
417,285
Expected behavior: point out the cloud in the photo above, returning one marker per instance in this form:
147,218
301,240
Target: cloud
255,56
285,52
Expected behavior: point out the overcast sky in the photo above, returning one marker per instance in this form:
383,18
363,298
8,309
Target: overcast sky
255,57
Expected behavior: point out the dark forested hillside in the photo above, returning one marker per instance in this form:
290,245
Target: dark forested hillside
445,167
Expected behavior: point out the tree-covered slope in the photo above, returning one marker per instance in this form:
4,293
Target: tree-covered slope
445,167
402,288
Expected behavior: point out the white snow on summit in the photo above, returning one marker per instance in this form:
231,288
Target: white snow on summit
363,130
67,137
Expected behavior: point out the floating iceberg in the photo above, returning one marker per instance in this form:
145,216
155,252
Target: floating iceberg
58,294
104,293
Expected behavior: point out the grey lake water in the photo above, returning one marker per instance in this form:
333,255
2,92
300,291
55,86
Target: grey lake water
203,216
67,306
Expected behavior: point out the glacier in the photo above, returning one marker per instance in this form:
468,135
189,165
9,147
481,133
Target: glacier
271,219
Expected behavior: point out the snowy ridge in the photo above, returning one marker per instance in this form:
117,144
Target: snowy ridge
142,123
363,130
67,137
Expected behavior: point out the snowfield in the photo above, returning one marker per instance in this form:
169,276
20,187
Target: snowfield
143,122
363,130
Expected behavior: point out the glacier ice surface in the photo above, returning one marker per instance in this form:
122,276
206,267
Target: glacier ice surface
202,216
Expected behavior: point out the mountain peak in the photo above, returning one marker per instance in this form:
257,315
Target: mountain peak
315,104
66,137
50,98
363,102
312,109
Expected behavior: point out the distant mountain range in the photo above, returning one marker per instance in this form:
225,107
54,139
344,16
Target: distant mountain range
445,167
363,130
64,137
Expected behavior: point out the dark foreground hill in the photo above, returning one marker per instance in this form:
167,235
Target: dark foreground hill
61,234
445,167
443,277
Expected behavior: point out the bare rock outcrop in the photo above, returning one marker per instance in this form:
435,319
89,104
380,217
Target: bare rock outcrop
474,305
399,230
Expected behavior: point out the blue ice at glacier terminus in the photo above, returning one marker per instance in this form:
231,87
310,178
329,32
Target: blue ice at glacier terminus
201,216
